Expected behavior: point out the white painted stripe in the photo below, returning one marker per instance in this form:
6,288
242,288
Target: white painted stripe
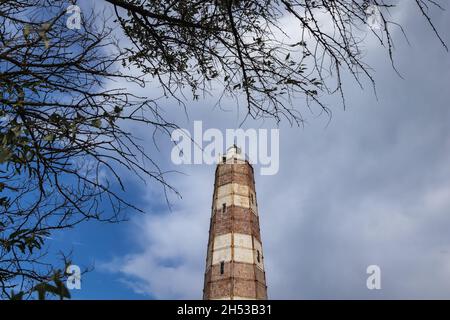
235,194
245,248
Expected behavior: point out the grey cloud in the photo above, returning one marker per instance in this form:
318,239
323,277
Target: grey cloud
372,187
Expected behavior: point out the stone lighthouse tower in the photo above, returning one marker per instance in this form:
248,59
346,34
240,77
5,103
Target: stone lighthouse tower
235,260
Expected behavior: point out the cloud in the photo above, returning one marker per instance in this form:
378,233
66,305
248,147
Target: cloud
372,187
171,246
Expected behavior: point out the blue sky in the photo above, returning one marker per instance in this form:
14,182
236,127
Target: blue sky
370,187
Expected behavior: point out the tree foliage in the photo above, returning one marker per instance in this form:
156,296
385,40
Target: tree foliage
62,133
63,126
242,44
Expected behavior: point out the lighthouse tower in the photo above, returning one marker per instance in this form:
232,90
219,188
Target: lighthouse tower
235,260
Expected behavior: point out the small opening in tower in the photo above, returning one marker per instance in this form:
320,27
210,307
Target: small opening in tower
235,160
222,267
224,159
251,198
257,256
224,208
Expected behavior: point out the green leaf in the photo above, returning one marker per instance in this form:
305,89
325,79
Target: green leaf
62,290
4,201
17,296
18,232
97,123
41,289
5,155
50,137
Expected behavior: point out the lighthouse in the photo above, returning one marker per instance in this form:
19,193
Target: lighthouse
235,260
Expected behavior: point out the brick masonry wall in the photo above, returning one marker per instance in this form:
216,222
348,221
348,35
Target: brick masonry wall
239,279
244,279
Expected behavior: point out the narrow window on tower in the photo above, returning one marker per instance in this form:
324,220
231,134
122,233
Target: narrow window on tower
224,159
251,198
224,208
257,256
222,267
235,160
